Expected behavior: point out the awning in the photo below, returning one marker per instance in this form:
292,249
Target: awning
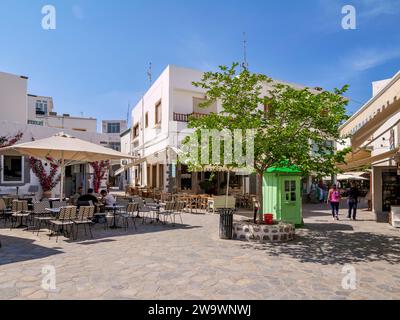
369,161
341,177
156,157
365,132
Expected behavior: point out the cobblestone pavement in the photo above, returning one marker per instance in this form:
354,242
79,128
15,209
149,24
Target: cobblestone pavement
191,262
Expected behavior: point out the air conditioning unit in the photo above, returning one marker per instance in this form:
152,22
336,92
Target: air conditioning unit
124,162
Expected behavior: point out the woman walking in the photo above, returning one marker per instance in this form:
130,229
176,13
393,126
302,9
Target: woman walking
334,200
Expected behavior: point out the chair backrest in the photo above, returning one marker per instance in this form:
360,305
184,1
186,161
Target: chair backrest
8,201
170,206
46,203
20,206
140,201
40,207
122,202
180,205
67,213
86,212
2,204
59,204
132,207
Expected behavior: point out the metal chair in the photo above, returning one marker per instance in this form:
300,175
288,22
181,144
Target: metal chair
19,210
5,212
129,214
64,219
168,210
59,204
84,217
40,214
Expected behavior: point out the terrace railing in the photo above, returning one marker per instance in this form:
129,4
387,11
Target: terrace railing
184,117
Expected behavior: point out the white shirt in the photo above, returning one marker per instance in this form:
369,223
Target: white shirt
110,200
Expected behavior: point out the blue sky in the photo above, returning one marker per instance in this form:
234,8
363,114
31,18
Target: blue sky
95,62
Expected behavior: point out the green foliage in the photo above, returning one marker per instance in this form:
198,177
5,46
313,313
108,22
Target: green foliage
294,126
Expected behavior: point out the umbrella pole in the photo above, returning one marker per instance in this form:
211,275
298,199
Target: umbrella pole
62,178
227,189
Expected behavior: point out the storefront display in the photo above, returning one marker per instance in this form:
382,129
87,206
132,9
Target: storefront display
390,190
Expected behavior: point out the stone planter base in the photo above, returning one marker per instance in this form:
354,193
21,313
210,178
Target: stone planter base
249,231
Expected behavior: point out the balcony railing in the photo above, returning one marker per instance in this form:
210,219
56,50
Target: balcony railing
184,117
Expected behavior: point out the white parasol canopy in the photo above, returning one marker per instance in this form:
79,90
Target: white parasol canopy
66,148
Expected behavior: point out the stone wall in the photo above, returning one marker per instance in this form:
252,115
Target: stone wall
248,231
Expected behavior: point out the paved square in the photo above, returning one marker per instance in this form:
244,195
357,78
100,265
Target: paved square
191,262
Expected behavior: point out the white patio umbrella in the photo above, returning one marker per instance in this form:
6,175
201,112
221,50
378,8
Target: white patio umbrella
67,149
341,177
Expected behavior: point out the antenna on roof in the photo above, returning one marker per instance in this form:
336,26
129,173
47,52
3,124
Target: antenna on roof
245,65
127,114
149,74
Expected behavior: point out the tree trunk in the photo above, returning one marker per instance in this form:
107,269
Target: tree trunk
260,196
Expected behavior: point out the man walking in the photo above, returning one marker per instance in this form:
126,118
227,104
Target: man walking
353,195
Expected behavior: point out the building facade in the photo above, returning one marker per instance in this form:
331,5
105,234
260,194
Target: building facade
160,123
34,117
374,134
113,130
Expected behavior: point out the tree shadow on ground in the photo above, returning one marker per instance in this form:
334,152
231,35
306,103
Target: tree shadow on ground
16,249
331,246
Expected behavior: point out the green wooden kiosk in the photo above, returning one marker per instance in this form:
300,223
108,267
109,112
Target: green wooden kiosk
282,194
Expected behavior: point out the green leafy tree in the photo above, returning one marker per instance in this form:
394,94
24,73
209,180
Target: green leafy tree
292,126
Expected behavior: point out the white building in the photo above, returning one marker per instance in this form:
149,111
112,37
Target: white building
41,112
35,118
159,124
126,147
375,141
113,129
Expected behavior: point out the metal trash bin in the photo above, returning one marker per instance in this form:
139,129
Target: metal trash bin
225,223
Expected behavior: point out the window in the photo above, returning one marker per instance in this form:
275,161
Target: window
115,145
136,131
290,190
41,107
12,169
146,120
158,113
113,127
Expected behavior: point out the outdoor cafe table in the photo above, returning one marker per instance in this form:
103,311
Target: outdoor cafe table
114,209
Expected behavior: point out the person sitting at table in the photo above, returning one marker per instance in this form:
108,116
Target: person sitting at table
106,198
77,195
89,197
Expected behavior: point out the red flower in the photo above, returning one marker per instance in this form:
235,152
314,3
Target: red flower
47,181
99,168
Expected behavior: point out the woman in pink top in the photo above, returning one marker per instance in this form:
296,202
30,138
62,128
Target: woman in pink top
334,200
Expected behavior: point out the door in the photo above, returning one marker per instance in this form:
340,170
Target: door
290,211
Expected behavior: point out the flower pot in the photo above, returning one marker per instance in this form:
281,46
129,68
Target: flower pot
46,194
269,218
